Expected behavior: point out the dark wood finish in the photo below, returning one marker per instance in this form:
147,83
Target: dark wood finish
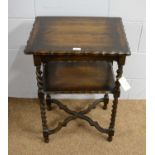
94,35
75,115
42,103
48,102
60,69
106,101
115,101
66,77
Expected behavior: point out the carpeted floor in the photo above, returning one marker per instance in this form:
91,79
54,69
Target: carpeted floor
78,138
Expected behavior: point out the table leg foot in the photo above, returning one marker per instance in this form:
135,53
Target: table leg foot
46,137
43,117
106,101
110,138
48,103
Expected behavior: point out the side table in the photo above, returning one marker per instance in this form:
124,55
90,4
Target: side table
76,55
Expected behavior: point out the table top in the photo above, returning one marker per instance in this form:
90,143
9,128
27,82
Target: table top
77,35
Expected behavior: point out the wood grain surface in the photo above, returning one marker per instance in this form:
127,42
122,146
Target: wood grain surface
95,35
78,77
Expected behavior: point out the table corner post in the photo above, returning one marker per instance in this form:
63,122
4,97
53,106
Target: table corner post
41,96
116,95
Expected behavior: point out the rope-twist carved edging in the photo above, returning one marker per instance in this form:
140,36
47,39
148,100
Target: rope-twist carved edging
76,115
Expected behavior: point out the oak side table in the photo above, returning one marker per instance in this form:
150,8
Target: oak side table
76,55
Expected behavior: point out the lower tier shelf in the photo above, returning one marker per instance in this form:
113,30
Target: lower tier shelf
78,77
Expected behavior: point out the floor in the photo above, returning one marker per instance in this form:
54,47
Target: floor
78,138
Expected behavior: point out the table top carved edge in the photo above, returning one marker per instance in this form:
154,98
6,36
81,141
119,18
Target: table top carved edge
29,50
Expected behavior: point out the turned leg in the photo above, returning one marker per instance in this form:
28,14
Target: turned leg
43,117
113,117
115,102
42,103
106,101
48,102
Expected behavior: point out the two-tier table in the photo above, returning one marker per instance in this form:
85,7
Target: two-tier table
76,55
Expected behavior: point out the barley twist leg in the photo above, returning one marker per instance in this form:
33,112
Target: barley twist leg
42,103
